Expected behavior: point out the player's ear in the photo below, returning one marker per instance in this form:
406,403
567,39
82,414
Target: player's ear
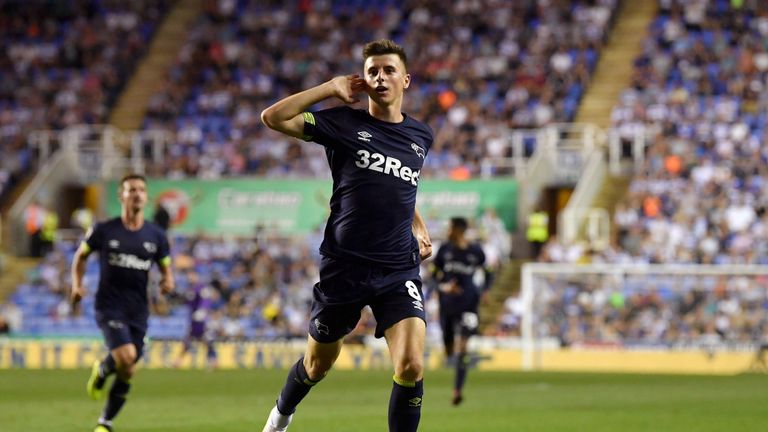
407,81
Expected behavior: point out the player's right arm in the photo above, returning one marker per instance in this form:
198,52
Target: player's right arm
92,241
286,115
78,271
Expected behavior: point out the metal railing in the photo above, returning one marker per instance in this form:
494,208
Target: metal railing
103,151
579,209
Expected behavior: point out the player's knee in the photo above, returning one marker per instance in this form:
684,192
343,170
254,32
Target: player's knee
317,368
124,371
410,368
124,361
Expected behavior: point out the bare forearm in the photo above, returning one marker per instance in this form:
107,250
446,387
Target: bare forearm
167,283
285,115
287,109
78,269
168,274
419,229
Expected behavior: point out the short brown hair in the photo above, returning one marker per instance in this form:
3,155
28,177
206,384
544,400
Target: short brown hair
382,47
132,176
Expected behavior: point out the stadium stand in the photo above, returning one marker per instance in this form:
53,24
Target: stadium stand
260,288
241,56
64,63
525,65
699,86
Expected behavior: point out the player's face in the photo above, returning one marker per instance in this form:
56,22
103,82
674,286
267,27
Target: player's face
455,233
386,78
133,194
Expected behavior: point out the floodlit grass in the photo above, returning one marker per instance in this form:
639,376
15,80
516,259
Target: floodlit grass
199,401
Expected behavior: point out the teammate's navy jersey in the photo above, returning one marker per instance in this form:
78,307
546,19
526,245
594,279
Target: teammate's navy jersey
125,258
459,265
375,167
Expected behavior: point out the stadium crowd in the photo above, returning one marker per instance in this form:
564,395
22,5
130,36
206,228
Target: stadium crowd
699,91
701,84
64,63
521,64
699,88
656,310
255,287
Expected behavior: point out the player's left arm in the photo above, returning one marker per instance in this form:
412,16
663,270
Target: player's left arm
419,229
167,281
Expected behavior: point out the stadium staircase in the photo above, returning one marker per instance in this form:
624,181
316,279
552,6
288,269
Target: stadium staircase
506,284
132,104
612,76
614,69
611,191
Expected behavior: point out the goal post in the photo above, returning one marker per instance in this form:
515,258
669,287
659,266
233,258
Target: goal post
663,315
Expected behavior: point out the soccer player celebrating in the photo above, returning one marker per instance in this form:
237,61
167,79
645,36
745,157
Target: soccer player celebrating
455,265
374,239
127,246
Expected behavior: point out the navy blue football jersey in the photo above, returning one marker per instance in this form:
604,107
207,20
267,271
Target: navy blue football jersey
375,167
125,258
460,265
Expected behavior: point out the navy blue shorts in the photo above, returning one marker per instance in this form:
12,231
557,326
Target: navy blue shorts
345,288
118,332
464,323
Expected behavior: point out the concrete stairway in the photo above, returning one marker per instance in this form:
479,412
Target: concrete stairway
612,76
611,191
614,69
506,284
131,106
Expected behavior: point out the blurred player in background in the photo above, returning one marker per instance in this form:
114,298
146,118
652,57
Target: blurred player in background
374,239
201,301
127,246
455,265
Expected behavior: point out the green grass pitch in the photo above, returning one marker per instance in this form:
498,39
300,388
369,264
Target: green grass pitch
230,401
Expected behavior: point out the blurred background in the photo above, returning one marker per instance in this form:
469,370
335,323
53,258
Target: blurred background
610,156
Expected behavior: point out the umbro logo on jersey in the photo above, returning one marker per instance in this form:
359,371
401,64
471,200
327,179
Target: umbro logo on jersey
114,244
364,136
420,152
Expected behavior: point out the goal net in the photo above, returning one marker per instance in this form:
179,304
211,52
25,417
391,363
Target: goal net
644,318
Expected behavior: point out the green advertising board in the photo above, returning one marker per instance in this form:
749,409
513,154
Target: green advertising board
239,206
